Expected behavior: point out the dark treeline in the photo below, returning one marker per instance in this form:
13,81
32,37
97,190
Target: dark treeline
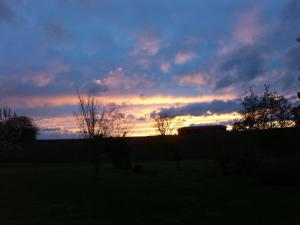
271,143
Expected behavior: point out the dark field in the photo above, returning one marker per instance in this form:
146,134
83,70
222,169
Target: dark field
44,194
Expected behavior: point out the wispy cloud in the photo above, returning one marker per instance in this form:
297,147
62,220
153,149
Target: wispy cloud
117,80
183,56
165,67
248,27
47,76
195,79
95,87
41,80
146,44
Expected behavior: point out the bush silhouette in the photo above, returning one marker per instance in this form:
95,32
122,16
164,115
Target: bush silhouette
18,129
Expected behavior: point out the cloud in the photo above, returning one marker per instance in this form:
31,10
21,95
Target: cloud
34,80
6,13
282,81
183,56
57,127
292,57
143,63
258,54
248,28
244,56
165,67
241,65
225,50
153,114
204,108
146,45
42,80
118,79
47,75
195,79
95,87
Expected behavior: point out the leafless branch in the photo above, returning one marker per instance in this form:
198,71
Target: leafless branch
166,125
95,120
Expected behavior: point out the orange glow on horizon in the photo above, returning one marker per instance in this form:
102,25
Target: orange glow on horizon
138,108
67,124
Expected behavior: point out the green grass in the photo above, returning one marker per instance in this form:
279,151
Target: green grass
65,194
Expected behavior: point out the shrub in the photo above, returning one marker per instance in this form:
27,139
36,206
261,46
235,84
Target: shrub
18,129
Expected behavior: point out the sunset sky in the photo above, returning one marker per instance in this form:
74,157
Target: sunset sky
191,58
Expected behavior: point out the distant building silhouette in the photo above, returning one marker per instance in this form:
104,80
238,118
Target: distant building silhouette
211,129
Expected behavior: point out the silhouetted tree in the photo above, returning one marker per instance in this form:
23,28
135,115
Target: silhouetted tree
15,130
264,112
6,113
296,111
86,116
275,110
112,123
166,124
21,129
249,113
5,143
96,122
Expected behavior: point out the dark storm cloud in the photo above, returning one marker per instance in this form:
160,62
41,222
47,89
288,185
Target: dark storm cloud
6,13
285,37
203,109
242,65
274,54
290,28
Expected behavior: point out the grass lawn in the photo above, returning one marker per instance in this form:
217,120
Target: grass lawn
63,194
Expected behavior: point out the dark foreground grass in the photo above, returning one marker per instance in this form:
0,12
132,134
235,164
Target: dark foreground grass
65,194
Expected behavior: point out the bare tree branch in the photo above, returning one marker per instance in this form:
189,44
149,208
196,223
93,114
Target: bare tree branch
96,121
166,124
